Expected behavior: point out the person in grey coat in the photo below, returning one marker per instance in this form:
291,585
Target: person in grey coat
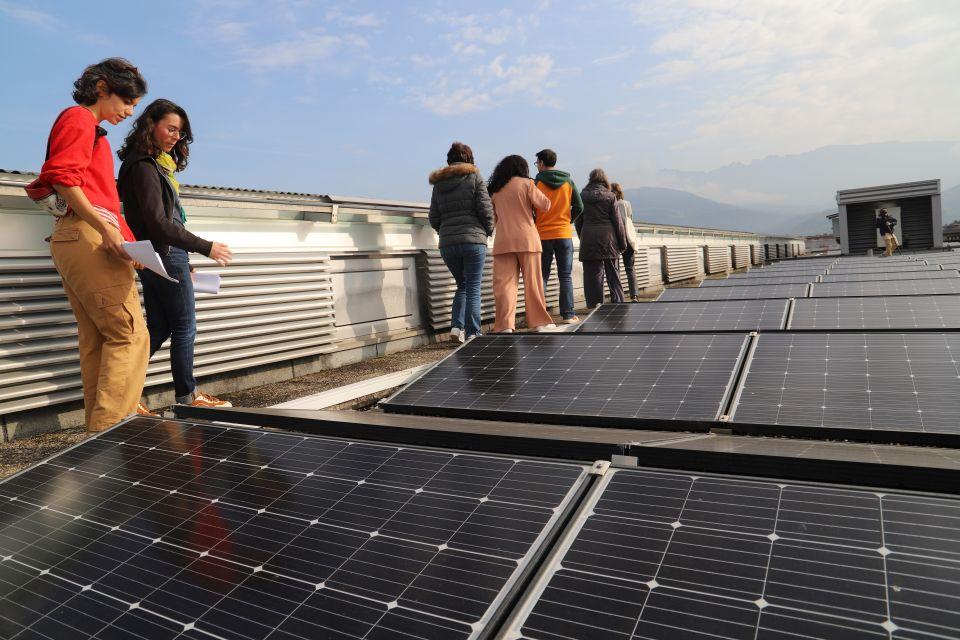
461,212
602,240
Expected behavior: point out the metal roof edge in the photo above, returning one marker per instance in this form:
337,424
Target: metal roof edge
898,190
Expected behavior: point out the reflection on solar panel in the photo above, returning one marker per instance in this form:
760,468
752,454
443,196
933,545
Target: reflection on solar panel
878,312
748,292
887,381
157,529
720,315
886,288
574,377
753,282
669,556
890,275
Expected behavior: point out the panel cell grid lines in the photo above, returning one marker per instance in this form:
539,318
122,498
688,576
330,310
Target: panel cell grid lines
878,312
572,378
890,275
748,292
754,282
162,529
719,315
874,381
885,288
660,556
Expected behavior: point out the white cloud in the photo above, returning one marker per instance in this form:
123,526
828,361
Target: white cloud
788,76
303,49
29,15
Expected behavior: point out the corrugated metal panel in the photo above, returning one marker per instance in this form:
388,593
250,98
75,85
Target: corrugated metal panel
756,254
916,215
740,255
717,259
889,192
273,305
861,227
440,287
680,263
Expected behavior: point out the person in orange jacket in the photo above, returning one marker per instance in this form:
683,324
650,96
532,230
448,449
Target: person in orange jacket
555,227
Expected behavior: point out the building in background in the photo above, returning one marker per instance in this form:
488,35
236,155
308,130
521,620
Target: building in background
915,205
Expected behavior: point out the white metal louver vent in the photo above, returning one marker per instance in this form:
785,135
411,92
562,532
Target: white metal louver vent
717,259
681,263
740,253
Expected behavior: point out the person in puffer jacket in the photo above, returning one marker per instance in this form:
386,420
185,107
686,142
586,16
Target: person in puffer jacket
602,240
461,213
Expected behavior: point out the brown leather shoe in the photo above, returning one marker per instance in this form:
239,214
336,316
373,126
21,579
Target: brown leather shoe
143,411
201,399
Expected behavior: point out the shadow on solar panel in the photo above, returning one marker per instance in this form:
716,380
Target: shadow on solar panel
668,380
157,529
672,556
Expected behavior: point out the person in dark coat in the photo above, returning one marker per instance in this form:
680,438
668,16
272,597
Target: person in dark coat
602,240
461,213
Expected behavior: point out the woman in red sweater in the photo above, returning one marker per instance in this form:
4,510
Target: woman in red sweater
86,244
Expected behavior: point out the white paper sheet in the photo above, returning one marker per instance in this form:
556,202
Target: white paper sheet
206,282
142,252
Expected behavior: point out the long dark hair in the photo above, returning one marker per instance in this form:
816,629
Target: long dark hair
120,76
509,167
140,139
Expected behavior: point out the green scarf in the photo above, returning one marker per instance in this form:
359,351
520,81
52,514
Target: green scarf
169,166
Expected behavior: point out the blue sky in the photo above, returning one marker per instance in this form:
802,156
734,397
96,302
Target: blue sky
363,98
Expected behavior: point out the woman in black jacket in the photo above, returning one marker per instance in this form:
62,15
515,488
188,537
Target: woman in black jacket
461,212
157,146
602,240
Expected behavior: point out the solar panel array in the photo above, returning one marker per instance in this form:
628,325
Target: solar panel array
885,288
720,315
873,381
667,556
890,275
730,282
747,292
877,312
171,530
573,377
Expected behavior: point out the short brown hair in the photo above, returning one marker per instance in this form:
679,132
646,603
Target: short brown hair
120,76
459,152
599,175
548,157
617,190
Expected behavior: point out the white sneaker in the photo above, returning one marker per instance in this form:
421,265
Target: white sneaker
506,331
546,328
573,320
456,334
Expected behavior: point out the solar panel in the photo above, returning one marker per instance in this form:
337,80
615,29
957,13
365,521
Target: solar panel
163,529
753,282
764,274
878,312
875,381
887,268
720,315
886,288
748,292
890,275
574,377
661,556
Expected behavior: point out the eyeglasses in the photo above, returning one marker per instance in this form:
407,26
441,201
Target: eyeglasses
173,131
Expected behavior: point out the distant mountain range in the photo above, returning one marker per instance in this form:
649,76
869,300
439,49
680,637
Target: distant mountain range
793,194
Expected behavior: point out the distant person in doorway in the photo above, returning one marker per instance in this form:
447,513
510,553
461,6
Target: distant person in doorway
156,148
886,224
87,241
602,240
625,211
461,213
516,245
555,228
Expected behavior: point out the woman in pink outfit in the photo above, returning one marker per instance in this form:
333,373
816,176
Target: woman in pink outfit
516,245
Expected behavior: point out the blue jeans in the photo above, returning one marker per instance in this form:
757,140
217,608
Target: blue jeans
563,249
465,262
171,313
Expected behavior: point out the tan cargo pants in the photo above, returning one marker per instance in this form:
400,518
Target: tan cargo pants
114,343
892,243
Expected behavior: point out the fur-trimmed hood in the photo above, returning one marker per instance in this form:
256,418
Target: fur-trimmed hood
455,170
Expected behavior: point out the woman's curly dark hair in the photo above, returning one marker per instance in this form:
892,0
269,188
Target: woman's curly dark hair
140,139
120,76
509,167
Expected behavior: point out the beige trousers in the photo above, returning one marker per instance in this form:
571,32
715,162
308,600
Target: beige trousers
114,343
507,268
892,243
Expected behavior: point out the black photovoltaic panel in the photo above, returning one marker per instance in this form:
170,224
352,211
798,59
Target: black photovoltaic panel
660,556
877,312
719,315
171,530
885,288
893,267
575,378
754,282
747,292
890,275
877,381
764,274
